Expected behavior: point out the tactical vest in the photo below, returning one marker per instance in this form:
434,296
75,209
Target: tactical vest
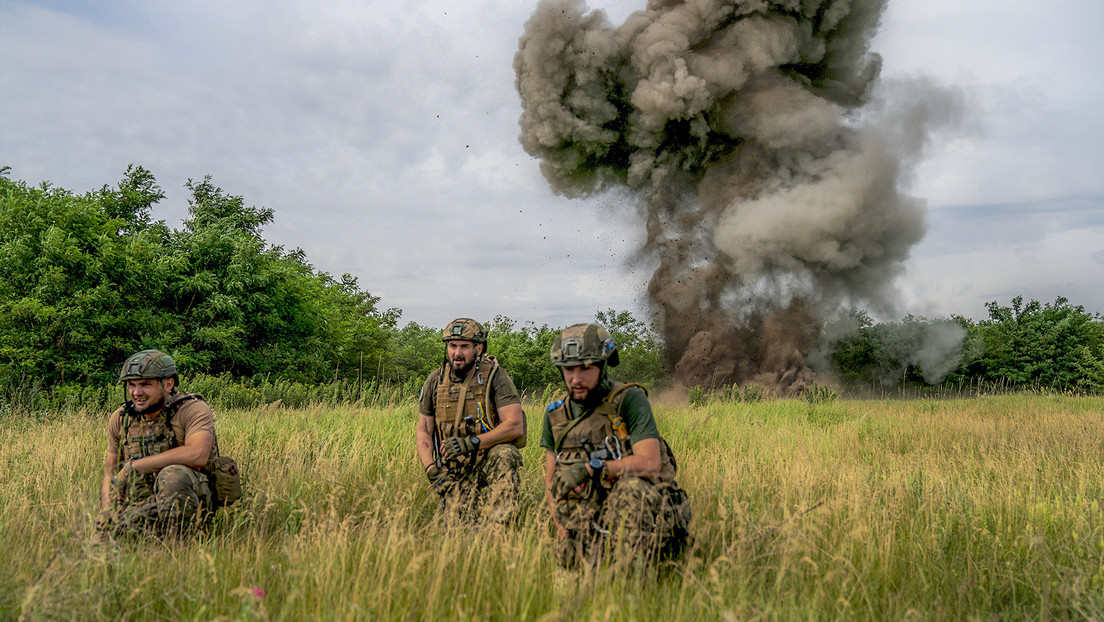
159,434
604,422
467,398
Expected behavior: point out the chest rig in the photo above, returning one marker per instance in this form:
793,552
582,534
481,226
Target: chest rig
150,437
601,428
456,401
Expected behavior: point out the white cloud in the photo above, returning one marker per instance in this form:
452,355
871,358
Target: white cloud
385,139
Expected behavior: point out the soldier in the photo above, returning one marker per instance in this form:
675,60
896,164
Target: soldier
609,475
157,444
470,426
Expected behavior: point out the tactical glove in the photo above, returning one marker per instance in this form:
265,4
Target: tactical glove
456,447
566,480
439,479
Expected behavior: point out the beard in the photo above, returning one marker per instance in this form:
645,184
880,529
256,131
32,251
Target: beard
151,407
461,371
596,395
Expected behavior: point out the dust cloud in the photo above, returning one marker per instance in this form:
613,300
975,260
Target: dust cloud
766,162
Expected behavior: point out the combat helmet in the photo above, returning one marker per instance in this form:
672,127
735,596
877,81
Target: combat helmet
464,328
584,344
148,364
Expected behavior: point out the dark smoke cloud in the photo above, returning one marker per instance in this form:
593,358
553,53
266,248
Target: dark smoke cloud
769,200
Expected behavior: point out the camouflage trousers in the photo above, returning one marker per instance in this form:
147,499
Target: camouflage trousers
634,519
175,501
486,492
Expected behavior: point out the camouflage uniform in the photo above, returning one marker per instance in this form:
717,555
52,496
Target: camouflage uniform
627,516
636,516
483,485
488,491
169,501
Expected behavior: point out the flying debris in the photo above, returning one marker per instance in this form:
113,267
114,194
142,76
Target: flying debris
769,199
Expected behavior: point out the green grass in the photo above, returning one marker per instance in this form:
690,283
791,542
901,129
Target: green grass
986,508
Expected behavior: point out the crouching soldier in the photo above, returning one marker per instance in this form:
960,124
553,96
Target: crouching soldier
470,426
158,443
609,475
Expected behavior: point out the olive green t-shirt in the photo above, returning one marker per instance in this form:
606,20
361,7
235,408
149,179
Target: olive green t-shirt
502,391
635,410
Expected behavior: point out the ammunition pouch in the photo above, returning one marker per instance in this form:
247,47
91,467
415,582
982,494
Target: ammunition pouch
225,480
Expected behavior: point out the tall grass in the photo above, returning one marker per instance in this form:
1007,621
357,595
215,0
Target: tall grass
877,509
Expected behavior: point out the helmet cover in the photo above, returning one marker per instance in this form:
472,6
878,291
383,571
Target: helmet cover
584,344
148,364
464,328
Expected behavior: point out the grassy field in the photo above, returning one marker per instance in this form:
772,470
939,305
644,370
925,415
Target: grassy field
987,508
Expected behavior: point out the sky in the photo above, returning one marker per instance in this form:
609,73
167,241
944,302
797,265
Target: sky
386,142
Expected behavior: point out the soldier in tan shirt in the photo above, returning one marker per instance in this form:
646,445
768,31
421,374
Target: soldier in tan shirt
158,445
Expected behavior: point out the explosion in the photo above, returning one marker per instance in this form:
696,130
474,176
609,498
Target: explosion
769,204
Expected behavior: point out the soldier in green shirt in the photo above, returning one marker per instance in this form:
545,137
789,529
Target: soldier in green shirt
470,427
609,475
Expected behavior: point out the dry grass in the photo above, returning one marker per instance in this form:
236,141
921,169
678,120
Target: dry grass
949,509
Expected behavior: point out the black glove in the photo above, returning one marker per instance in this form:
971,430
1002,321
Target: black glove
439,479
456,447
566,480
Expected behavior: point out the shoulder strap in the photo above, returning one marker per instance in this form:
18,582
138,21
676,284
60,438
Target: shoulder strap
127,405
170,409
484,416
570,426
614,400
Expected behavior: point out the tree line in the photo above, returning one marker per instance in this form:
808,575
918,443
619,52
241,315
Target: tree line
87,279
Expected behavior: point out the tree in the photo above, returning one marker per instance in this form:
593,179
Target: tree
69,270
640,349
86,280
523,351
1056,345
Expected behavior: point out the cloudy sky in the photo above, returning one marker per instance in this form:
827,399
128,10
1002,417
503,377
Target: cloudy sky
386,141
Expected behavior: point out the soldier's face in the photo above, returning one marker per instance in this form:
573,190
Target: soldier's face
462,354
148,394
581,380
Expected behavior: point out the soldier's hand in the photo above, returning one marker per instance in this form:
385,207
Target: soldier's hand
439,479
104,520
456,447
120,479
566,480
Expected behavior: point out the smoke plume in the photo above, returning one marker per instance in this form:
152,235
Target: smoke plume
769,202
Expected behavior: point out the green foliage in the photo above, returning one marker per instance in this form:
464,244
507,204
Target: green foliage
414,352
87,280
1023,346
819,393
916,350
68,265
728,394
1055,346
696,396
523,352
641,351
